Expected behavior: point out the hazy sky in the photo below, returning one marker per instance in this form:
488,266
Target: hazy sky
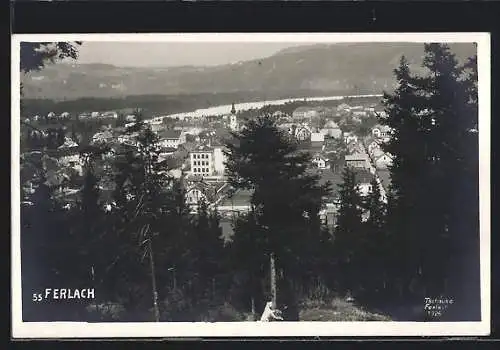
140,54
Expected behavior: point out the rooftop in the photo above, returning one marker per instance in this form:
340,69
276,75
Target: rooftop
356,156
170,134
202,149
240,197
168,149
304,109
362,176
385,177
331,125
382,128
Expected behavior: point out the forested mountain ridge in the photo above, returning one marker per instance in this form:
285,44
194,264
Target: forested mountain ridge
359,67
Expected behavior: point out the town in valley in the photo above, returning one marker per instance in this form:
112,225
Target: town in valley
343,132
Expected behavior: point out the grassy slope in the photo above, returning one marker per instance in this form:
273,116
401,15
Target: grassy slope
337,310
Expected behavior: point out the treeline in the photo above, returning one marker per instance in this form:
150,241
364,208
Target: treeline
161,104
149,256
144,250
425,241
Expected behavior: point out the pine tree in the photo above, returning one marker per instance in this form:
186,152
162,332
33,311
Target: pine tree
205,245
287,198
376,239
348,235
249,266
434,171
140,219
453,103
407,146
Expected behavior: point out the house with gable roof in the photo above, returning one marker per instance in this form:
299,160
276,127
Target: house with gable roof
172,138
381,131
383,161
303,132
331,129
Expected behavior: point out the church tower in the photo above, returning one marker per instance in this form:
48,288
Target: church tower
233,121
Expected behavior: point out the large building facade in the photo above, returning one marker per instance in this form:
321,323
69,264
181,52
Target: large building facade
207,162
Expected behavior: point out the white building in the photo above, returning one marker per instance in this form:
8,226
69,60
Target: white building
68,143
172,138
233,120
364,188
344,107
383,161
381,132
320,162
357,160
304,113
303,132
156,127
349,136
373,145
102,137
331,129
194,195
110,114
73,160
64,115
219,161
317,137
202,161
208,161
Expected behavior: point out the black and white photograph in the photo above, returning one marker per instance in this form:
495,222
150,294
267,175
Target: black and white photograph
250,184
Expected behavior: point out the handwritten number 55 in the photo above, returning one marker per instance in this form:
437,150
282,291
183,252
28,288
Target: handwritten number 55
37,297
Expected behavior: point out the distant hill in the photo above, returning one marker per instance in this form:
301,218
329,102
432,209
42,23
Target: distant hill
359,67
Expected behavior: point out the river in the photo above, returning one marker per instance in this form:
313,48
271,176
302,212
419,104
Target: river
226,109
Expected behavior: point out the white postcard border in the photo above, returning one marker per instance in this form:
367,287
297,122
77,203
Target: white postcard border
22,329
